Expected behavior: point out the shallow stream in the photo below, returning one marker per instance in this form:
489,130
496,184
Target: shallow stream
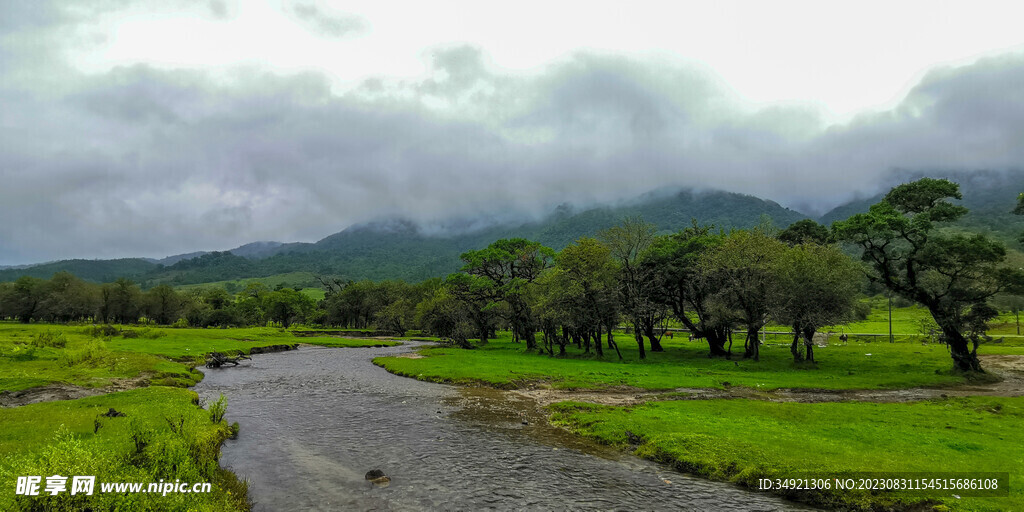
315,420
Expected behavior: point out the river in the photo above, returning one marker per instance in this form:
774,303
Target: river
315,420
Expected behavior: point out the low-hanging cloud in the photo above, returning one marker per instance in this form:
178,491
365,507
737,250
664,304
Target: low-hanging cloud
145,161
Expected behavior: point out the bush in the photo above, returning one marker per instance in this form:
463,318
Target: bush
53,339
93,353
181,323
150,333
101,331
218,409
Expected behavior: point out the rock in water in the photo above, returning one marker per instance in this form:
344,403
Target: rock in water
377,477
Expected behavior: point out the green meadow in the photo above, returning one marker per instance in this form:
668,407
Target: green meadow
684,364
744,440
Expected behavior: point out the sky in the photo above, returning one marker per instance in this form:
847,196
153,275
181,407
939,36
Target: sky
140,128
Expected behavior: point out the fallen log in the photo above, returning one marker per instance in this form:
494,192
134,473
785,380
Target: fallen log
217,359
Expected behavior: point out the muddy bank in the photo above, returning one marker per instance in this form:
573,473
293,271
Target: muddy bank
63,391
1008,368
60,391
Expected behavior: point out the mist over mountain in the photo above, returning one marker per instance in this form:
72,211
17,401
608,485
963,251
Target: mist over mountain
141,158
399,248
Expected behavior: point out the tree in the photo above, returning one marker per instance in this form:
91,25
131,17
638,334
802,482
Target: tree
743,264
288,306
953,275
120,301
475,295
580,294
686,287
512,265
444,315
24,298
804,231
627,243
813,286
398,316
66,298
162,304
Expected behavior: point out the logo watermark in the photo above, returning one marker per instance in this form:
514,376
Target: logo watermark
56,484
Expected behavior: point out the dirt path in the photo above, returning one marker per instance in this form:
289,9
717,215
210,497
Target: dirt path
1009,367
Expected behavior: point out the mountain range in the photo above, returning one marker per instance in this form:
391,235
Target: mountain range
398,248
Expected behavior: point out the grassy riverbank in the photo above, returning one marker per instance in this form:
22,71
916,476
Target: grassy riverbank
743,440
33,355
855,365
165,433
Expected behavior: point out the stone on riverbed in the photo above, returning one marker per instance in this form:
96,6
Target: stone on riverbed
377,477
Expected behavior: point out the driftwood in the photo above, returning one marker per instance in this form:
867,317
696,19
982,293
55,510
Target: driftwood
217,359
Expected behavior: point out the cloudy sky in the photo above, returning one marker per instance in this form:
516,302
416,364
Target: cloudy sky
157,127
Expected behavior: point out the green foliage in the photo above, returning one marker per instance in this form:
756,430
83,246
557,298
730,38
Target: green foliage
92,353
511,265
49,338
805,231
218,409
814,286
61,438
745,268
953,275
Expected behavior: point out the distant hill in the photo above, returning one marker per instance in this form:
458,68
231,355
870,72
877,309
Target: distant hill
399,249
989,195
99,271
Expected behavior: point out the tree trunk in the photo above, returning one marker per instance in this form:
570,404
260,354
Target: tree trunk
482,327
793,348
531,340
752,349
597,341
809,344
716,342
648,328
639,342
611,341
964,359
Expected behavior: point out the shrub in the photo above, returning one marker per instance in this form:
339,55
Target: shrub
218,409
101,331
93,353
181,323
53,339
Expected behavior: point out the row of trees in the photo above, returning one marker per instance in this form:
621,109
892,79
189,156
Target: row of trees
66,298
715,282
710,281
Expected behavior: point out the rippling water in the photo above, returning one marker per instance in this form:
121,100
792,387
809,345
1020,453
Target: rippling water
315,420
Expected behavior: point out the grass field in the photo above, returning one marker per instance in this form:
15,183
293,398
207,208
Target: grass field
743,440
163,434
855,365
34,355
304,280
